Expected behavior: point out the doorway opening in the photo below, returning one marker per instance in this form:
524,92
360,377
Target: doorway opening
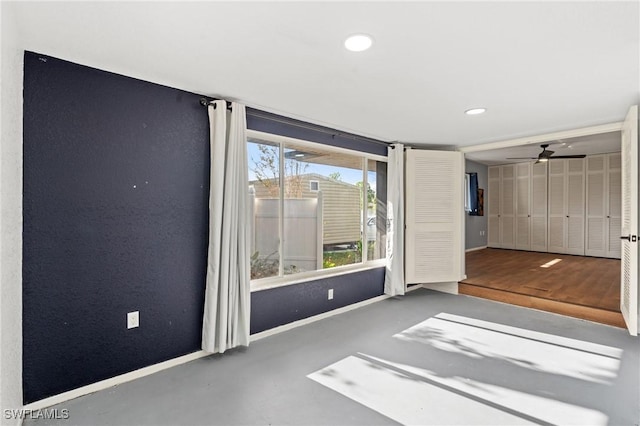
523,260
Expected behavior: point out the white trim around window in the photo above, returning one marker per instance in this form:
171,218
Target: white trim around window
269,137
301,277
284,280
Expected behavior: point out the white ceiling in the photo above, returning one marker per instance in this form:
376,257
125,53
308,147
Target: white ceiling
538,67
583,145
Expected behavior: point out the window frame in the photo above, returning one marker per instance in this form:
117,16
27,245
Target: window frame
300,277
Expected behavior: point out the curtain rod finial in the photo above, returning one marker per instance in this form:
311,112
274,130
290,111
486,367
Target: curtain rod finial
204,101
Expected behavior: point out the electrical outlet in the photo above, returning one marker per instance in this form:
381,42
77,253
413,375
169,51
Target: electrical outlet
330,294
133,319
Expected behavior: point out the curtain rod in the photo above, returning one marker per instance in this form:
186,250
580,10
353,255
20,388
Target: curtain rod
207,102
317,128
293,122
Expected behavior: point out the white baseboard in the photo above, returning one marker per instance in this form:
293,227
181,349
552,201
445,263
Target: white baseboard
305,321
449,287
133,375
324,315
113,381
475,248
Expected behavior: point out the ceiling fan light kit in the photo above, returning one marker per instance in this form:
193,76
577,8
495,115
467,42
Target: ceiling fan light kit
546,155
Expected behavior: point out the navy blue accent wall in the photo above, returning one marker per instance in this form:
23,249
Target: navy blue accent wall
116,182
282,305
115,220
272,123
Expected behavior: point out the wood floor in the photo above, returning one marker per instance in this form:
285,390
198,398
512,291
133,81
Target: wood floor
578,286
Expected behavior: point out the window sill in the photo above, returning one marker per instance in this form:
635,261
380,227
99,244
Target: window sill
269,283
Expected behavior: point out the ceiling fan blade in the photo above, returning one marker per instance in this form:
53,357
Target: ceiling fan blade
566,156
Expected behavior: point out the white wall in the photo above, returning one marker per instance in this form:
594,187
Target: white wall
11,82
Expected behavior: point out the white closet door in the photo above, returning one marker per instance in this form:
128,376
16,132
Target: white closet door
596,208
575,206
539,207
523,206
614,206
493,207
507,206
629,268
556,216
434,216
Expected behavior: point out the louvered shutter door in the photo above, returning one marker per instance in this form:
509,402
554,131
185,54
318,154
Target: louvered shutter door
523,201
493,207
556,215
507,207
575,206
614,204
434,217
595,231
539,207
629,269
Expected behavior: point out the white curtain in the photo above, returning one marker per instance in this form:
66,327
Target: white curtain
227,295
394,273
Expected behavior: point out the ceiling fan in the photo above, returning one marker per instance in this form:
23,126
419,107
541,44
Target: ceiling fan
546,155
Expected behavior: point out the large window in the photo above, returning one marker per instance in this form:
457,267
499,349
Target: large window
314,207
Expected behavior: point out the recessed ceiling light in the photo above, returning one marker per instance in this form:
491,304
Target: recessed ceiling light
475,111
299,155
358,42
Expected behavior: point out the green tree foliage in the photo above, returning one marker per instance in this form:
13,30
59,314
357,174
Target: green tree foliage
267,170
371,195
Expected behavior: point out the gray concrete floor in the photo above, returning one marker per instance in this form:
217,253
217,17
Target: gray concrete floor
267,383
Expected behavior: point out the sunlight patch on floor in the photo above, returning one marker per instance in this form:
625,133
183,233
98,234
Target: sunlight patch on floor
525,348
551,263
411,395
415,394
403,399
